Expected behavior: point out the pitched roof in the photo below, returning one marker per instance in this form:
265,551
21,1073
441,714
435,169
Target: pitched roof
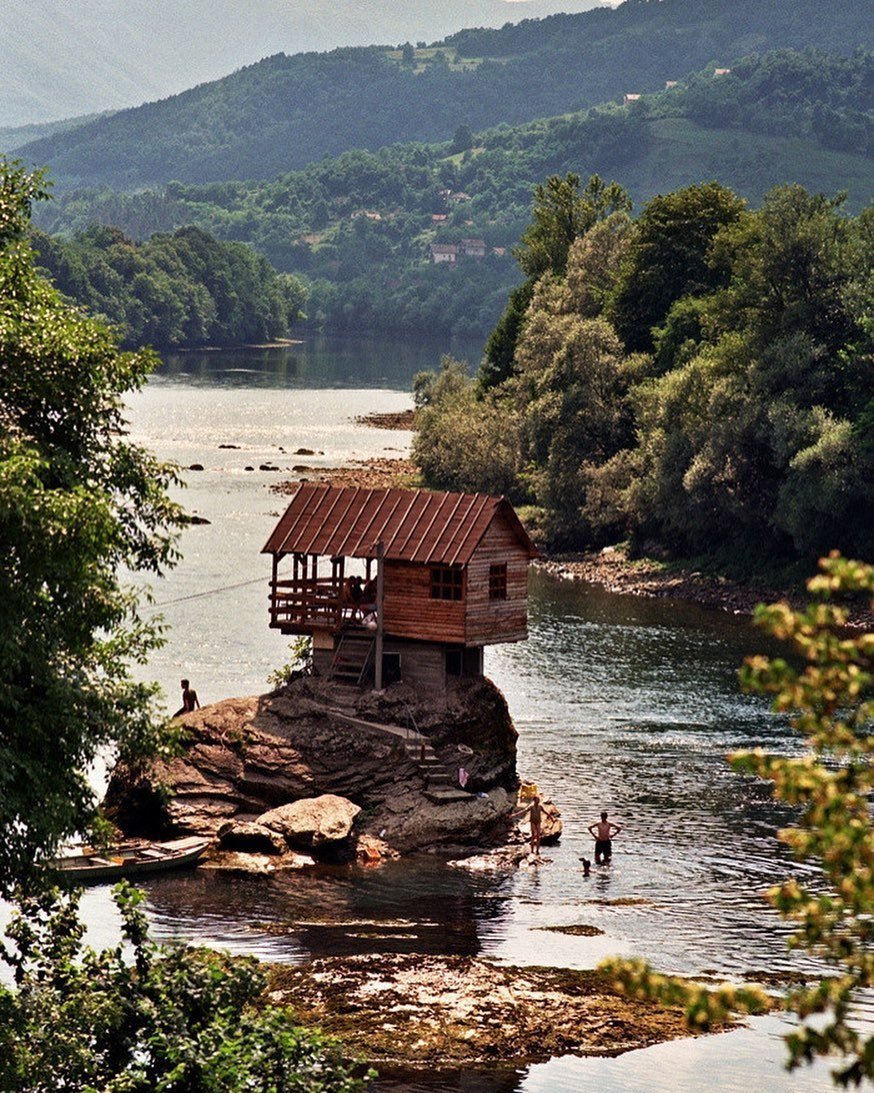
414,525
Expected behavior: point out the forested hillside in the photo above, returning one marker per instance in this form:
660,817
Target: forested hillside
180,290
141,50
359,226
697,378
285,112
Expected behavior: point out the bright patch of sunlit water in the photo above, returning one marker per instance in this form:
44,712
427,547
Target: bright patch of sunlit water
624,704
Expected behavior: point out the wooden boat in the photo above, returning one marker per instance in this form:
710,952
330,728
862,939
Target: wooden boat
130,859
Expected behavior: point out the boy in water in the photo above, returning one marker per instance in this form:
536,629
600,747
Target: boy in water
603,833
535,811
535,818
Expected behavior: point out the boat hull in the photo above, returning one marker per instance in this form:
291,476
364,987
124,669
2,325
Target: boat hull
131,860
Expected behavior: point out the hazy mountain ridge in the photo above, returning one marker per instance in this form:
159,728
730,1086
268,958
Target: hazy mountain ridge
284,112
359,225
60,60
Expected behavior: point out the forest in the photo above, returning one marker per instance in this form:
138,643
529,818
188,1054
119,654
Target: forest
358,226
285,112
696,380
179,290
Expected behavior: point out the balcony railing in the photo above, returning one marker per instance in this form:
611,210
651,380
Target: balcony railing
310,603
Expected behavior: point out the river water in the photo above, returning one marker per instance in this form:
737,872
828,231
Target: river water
621,703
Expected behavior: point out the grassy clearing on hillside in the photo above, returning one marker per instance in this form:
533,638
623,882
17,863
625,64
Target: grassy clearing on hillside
682,153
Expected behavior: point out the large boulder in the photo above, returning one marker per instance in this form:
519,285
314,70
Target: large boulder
250,838
468,725
311,823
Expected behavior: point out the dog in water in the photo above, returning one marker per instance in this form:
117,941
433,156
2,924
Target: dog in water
587,866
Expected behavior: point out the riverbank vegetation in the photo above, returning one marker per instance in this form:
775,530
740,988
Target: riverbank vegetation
175,290
831,700
163,1017
358,227
694,378
80,505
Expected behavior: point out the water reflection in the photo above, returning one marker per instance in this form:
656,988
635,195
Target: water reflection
415,906
319,361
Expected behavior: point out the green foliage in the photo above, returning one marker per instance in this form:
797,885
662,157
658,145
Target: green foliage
750,435
174,1019
561,214
78,506
462,141
572,378
828,688
463,442
300,662
747,432
180,290
500,349
669,258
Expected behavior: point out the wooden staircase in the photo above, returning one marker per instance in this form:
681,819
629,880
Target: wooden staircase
440,786
353,658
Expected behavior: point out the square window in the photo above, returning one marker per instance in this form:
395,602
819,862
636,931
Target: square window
498,582
446,582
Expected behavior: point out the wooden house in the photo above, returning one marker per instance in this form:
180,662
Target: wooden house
444,252
472,248
444,574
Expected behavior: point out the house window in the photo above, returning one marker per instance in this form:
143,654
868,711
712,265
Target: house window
497,582
446,582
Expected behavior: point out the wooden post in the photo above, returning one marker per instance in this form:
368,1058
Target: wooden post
273,591
380,584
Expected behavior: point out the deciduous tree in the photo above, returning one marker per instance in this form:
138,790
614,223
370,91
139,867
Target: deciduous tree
79,506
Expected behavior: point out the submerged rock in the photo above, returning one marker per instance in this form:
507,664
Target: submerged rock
457,1011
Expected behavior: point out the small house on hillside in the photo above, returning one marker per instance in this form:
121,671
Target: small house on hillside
444,252
472,248
438,577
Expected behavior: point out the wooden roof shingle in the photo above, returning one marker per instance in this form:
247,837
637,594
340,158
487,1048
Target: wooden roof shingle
422,526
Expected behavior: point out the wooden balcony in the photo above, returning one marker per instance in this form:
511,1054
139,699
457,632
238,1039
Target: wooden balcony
306,604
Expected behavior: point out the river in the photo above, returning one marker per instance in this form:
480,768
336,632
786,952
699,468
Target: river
621,703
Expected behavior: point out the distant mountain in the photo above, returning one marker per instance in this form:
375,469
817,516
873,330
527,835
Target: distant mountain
360,225
16,136
61,59
285,112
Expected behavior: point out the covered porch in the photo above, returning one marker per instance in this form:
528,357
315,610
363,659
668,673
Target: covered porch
319,595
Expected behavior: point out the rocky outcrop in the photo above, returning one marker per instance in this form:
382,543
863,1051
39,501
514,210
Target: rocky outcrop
319,768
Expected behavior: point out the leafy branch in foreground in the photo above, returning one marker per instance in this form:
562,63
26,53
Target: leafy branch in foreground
80,506
175,1019
831,699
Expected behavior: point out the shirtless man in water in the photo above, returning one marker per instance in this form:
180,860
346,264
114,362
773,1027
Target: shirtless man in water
603,833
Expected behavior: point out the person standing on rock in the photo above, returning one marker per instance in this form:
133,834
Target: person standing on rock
535,818
190,700
603,832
